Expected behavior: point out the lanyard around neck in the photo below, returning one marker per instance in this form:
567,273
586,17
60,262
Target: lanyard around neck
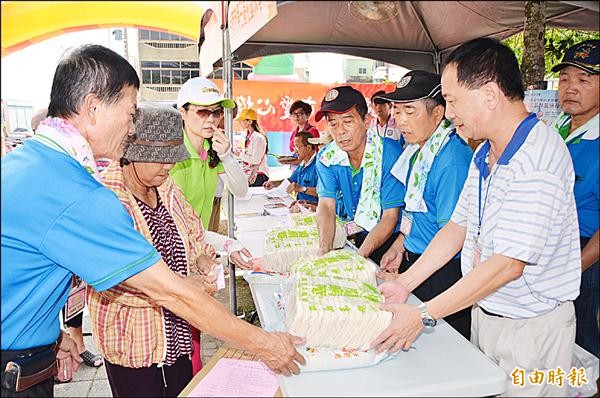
512,148
385,128
487,191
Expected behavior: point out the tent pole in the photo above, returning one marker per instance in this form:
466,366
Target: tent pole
227,82
437,60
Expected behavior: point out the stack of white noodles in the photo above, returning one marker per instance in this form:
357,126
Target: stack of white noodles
284,246
341,263
334,312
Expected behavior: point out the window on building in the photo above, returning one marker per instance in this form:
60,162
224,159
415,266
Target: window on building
19,116
166,75
164,40
362,71
240,71
155,76
146,34
176,77
168,72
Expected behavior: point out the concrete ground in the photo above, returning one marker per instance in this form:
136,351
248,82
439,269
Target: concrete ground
93,382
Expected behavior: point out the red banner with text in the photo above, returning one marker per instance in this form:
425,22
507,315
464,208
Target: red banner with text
272,100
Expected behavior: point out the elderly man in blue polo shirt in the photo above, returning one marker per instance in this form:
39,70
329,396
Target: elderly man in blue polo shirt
304,178
515,222
59,220
358,165
578,125
433,168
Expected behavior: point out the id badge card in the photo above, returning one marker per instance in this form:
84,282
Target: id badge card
476,253
353,228
406,223
76,300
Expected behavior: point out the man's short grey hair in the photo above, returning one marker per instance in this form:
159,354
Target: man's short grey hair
431,103
89,69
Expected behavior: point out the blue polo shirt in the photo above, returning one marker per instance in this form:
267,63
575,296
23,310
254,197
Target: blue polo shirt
57,220
306,176
444,184
336,179
585,155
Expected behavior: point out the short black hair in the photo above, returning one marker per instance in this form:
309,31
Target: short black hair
305,135
89,69
306,108
377,94
485,60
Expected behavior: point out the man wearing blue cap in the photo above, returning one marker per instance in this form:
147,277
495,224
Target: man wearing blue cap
578,88
358,165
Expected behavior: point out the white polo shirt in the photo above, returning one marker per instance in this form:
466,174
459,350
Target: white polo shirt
529,214
389,130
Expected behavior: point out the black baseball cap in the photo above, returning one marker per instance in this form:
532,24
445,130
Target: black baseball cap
584,55
414,86
340,100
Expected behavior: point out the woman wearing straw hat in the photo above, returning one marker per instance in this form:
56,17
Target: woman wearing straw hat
139,339
255,154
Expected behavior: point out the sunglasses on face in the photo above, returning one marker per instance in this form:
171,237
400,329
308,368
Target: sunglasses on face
204,113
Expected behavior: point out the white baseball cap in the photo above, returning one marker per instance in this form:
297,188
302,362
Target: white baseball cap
203,92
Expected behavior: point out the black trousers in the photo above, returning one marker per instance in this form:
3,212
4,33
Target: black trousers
261,178
380,251
42,389
437,283
149,382
586,307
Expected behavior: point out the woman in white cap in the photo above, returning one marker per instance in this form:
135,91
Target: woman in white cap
139,339
256,148
201,105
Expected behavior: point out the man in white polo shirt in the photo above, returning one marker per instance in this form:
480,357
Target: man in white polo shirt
516,223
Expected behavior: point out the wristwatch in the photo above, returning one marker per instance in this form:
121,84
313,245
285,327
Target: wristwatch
304,189
427,320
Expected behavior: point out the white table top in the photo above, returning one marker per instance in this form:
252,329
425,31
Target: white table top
443,363
250,223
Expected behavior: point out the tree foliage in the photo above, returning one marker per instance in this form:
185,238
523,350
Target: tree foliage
556,42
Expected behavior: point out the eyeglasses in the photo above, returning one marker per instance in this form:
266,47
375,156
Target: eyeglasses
204,113
296,148
297,114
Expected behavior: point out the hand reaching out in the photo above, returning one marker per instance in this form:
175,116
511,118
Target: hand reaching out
280,354
237,259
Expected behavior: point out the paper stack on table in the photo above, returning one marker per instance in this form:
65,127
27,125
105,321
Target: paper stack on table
280,191
277,209
237,378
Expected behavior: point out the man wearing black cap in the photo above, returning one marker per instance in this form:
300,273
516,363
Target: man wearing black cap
578,88
384,123
513,225
358,165
433,168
